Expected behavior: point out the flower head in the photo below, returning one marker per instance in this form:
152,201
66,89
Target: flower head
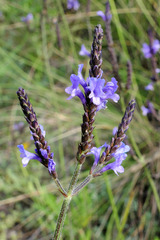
84,51
73,4
28,18
94,88
150,50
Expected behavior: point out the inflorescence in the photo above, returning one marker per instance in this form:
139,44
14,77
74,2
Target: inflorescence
94,93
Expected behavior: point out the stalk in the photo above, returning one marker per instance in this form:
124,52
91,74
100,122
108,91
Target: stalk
66,203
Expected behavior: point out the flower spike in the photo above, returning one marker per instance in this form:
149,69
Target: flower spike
43,153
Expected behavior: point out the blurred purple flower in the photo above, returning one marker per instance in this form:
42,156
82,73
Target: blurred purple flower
27,156
145,110
150,87
28,18
103,16
84,51
73,4
148,109
157,70
18,126
149,50
114,130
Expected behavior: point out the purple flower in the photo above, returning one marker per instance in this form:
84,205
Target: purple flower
145,110
148,110
114,130
110,89
28,18
18,126
51,165
74,90
73,4
119,156
103,16
100,93
27,156
96,152
94,88
84,51
149,50
157,70
149,87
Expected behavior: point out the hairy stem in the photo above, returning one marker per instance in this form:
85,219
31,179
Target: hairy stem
66,203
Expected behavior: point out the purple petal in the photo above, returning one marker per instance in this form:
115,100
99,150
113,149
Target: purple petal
114,130
102,15
110,89
73,4
145,110
96,152
51,165
155,46
28,18
84,51
119,156
82,81
44,153
27,156
149,87
146,50
157,70
115,166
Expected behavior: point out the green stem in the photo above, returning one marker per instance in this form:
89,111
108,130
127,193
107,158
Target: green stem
61,218
66,203
82,185
60,187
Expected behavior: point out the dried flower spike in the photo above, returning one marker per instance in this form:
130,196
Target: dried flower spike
43,153
120,134
129,75
96,53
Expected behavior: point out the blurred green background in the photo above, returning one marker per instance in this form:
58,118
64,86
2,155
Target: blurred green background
110,207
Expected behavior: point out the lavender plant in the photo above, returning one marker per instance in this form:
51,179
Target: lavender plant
94,94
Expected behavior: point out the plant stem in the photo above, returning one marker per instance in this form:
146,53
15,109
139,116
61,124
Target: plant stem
66,202
61,218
